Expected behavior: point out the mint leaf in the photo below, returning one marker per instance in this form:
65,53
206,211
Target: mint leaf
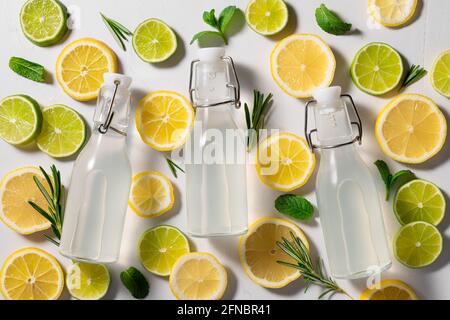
225,17
210,18
330,22
202,34
389,179
402,176
27,69
135,282
294,206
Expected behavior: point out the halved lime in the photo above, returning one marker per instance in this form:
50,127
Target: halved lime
160,247
63,131
417,244
440,74
377,68
43,22
419,200
154,41
20,119
86,281
267,17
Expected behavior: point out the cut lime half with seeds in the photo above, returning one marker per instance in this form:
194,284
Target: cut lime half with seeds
377,68
43,22
419,200
440,74
267,17
87,281
20,119
417,244
154,41
63,131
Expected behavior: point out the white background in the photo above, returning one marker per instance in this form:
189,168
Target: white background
419,43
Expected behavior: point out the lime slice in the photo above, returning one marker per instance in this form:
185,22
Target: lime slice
418,244
376,68
160,247
63,131
87,281
154,41
267,17
20,119
419,200
43,22
440,74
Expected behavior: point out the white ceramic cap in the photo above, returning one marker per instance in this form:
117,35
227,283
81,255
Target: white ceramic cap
327,95
109,79
211,54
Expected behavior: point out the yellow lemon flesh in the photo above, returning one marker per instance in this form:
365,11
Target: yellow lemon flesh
16,189
411,128
80,67
164,120
31,274
151,194
259,252
302,63
389,290
198,276
392,13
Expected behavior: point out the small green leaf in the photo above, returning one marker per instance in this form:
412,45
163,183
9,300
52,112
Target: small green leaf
27,69
330,22
414,74
294,206
202,34
401,176
210,18
225,17
386,176
135,282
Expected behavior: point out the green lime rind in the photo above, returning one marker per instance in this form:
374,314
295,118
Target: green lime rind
417,244
87,281
380,75
265,21
419,200
32,14
20,119
63,131
161,40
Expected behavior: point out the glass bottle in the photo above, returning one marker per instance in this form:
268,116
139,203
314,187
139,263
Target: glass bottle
215,156
101,178
349,205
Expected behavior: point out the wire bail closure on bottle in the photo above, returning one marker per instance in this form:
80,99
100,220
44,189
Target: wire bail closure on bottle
358,123
105,126
236,100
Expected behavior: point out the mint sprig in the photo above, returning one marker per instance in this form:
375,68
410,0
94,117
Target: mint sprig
27,69
390,180
294,206
135,282
329,22
220,24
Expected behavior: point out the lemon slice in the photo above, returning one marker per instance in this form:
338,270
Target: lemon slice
31,274
302,63
160,247
151,194
164,120
80,67
392,13
417,244
411,128
16,189
87,281
267,17
389,289
440,74
259,252
198,276
284,161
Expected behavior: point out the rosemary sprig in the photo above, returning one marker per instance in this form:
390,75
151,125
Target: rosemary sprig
317,275
255,122
414,74
55,200
118,30
173,167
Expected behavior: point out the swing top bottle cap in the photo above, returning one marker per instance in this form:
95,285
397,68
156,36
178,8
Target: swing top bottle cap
327,95
110,78
211,54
